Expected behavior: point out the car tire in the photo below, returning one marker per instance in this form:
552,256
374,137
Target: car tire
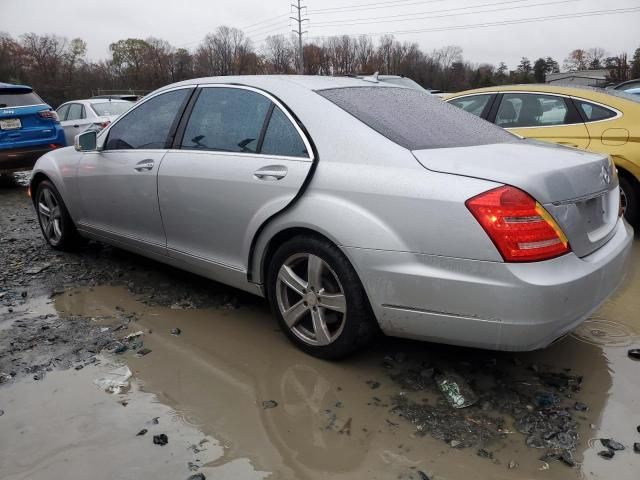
318,298
631,197
54,219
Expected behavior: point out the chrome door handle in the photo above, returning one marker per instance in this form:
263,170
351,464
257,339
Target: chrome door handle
144,166
272,172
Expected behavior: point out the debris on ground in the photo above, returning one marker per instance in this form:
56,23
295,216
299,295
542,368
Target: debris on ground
455,389
176,331
580,407
636,447
197,476
269,404
1,412
512,464
422,475
142,432
607,454
161,439
373,384
634,353
142,352
611,444
115,381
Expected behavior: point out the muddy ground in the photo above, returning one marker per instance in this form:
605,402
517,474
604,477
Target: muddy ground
94,375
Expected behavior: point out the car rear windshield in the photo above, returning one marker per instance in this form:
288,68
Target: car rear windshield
415,120
18,99
107,109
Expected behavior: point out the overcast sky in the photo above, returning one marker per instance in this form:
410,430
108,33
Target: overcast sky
438,22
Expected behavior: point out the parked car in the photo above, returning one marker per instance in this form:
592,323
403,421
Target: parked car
352,207
598,120
130,97
28,128
633,91
77,116
624,86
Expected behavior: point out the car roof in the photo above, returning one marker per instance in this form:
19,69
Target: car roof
309,82
10,87
97,100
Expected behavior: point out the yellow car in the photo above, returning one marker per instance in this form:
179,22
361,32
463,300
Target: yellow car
604,121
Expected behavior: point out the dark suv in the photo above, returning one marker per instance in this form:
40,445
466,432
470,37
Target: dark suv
28,128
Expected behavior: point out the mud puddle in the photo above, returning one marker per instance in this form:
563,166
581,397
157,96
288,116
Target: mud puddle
231,377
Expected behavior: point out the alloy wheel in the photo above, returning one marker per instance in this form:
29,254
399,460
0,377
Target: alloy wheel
50,216
311,299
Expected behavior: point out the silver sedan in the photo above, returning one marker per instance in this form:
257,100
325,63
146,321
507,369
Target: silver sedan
354,208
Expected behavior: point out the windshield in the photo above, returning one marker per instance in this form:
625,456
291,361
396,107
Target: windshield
9,99
403,82
416,119
108,109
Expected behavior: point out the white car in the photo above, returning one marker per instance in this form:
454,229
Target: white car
78,116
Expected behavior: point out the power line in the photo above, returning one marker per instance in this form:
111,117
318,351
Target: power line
391,18
248,27
370,6
492,24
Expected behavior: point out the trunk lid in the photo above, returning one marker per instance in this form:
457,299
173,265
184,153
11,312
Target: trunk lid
579,189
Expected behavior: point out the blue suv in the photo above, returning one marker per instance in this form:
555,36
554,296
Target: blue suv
29,128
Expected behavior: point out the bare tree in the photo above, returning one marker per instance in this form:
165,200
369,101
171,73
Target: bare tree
279,54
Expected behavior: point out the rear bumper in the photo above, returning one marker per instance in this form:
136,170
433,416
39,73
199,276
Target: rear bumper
494,305
21,158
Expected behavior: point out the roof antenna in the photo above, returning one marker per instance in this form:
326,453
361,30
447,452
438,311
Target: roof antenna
371,78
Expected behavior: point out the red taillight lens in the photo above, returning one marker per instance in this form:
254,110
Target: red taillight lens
49,114
521,229
101,125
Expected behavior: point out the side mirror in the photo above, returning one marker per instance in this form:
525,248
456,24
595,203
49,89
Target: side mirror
86,141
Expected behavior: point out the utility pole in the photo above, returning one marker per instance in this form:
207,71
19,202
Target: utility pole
298,19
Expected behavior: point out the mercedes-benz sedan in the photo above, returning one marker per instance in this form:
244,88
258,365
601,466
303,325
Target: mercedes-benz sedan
353,208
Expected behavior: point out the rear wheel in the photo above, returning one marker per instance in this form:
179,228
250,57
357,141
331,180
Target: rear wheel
318,298
56,224
629,198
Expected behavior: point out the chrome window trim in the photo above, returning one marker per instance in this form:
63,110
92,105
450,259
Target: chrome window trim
310,155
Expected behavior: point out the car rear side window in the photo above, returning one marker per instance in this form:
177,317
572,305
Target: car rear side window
415,120
227,120
149,125
518,110
10,99
76,112
593,112
281,137
473,103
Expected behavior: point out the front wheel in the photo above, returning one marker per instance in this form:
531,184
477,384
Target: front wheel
318,298
629,198
55,222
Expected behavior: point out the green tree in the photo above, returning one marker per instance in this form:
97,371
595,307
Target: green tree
635,65
540,70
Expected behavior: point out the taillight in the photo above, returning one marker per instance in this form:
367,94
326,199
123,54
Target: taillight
521,228
49,114
101,125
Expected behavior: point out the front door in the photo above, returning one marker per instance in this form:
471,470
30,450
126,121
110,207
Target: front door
118,184
240,159
550,118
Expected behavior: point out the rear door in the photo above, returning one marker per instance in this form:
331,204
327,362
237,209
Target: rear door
478,104
118,184
239,158
550,118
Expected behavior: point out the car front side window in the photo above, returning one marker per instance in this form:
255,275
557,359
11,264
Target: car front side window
226,119
474,104
62,112
148,126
